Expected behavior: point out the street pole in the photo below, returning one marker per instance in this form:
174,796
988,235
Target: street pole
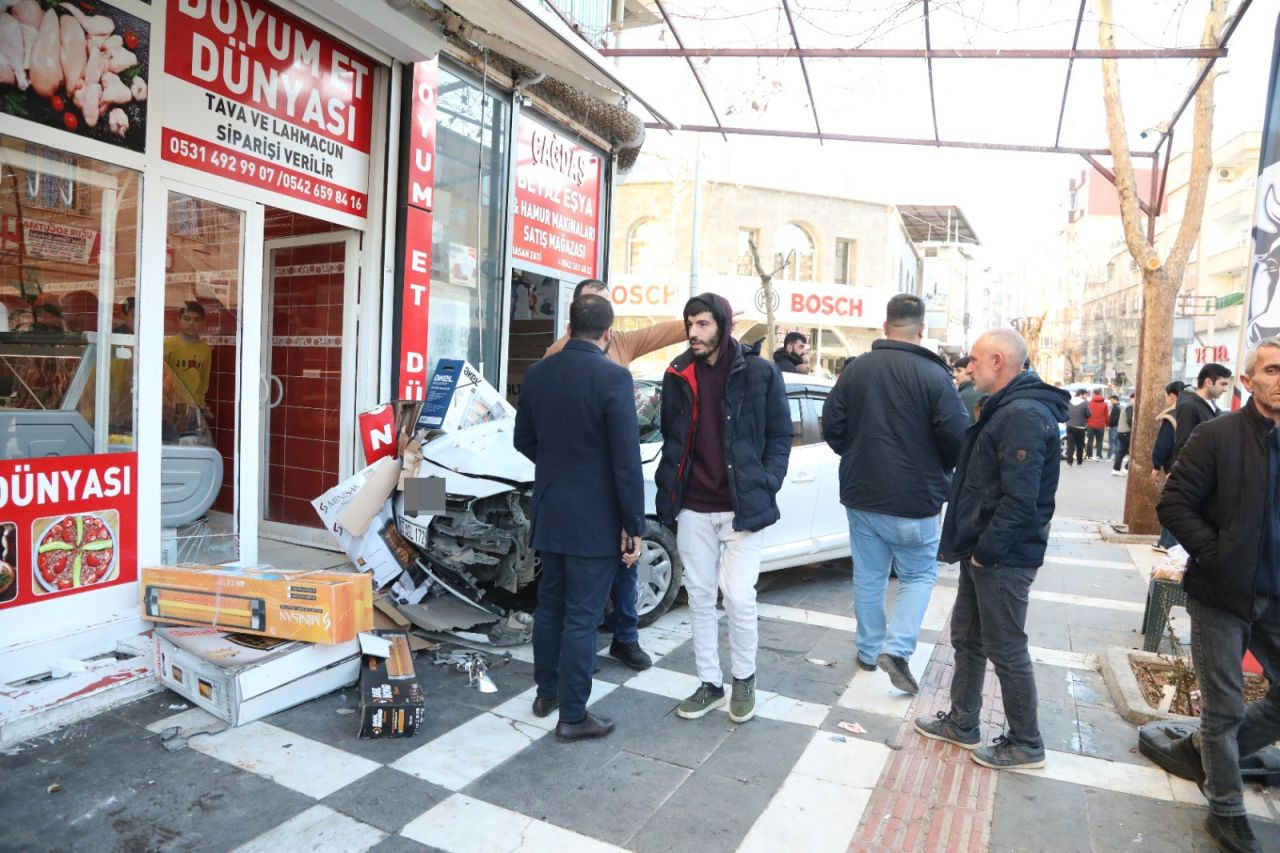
697,217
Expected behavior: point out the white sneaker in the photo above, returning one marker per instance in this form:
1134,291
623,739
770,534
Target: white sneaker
1117,473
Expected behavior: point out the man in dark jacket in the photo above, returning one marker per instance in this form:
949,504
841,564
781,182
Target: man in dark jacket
896,420
997,527
790,357
962,373
1222,502
1196,407
726,439
1162,453
577,423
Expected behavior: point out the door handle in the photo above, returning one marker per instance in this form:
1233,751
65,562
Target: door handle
802,477
278,398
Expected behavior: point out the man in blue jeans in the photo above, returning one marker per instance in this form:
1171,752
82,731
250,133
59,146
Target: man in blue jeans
896,420
1222,502
997,528
577,423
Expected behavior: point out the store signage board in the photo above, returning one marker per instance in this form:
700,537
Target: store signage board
558,212
256,96
420,195
69,524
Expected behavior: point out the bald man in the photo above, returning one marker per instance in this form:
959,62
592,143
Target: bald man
997,527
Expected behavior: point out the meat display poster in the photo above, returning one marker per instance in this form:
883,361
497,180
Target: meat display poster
67,524
257,96
79,67
557,217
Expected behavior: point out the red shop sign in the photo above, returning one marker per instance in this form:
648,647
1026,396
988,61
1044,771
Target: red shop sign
557,217
378,433
257,96
68,524
420,195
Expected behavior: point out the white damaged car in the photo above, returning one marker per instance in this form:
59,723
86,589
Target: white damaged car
478,549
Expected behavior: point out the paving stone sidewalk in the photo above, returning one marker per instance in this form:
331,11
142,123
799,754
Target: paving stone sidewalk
484,774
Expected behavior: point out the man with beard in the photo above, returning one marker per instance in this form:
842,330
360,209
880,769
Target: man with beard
726,431
790,357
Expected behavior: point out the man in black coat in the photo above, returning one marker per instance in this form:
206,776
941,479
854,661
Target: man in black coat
997,527
896,420
577,423
726,440
790,357
1196,407
1222,503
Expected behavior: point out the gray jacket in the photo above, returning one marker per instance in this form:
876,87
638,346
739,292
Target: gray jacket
1078,413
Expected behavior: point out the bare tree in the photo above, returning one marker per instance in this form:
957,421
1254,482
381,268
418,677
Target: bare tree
766,284
1161,279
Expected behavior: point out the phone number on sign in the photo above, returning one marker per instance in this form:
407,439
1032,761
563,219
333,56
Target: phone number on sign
219,160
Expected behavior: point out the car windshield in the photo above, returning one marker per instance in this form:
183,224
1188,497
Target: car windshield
649,409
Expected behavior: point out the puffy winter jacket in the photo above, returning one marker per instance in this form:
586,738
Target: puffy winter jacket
757,437
1214,504
1098,412
1002,497
896,420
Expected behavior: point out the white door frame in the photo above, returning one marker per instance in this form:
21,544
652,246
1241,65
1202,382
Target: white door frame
249,393
350,239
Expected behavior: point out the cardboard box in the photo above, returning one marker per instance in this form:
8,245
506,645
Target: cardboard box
382,550
317,607
459,397
241,678
391,702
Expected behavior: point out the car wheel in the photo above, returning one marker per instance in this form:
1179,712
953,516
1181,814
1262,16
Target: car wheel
659,573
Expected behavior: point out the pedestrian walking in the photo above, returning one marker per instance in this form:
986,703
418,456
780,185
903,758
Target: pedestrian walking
997,527
962,373
896,420
1113,424
1196,407
726,439
790,357
1162,453
1077,426
623,621
1123,417
1099,415
1222,502
577,424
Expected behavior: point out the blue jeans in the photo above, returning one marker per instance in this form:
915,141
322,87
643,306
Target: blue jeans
879,541
571,596
988,623
1227,729
1111,441
622,621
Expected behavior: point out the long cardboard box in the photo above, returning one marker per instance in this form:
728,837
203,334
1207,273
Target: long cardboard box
391,700
241,678
317,607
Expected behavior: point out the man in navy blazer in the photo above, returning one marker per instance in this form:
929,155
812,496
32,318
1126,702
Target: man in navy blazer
577,422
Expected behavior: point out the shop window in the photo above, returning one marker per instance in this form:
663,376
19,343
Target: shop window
746,261
469,219
648,247
68,266
792,238
847,260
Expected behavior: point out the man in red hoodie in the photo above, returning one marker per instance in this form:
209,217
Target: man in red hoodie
1097,423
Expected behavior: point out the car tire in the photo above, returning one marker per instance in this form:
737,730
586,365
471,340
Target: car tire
659,573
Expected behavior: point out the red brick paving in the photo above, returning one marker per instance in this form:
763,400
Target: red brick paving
931,796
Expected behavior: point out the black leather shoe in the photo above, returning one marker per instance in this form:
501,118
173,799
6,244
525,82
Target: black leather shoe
864,666
589,726
1233,834
899,675
542,707
631,654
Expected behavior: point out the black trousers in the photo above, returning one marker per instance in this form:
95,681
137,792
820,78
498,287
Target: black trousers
1075,444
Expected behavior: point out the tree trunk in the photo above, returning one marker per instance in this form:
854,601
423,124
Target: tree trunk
771,324
1157,354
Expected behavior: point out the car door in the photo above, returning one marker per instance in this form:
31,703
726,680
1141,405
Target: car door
789,538
830,529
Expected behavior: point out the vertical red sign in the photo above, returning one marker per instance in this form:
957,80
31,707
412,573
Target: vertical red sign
420,199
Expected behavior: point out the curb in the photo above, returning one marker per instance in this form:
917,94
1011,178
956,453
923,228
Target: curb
1123,686
1111,534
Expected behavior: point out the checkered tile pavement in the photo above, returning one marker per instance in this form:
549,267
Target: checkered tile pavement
484,774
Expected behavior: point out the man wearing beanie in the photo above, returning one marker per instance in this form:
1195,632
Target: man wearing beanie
726,432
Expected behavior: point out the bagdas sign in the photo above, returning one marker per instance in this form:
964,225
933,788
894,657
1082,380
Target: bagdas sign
557,215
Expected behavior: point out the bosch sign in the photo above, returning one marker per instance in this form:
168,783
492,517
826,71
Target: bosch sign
828,306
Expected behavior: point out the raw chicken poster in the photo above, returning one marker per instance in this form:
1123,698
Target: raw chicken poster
80,67
260,97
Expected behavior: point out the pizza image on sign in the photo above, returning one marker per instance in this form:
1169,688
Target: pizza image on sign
75,550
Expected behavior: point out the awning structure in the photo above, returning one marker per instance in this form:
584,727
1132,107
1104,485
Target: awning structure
943,223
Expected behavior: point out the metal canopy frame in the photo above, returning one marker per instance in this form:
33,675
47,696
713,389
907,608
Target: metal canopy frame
1163,147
